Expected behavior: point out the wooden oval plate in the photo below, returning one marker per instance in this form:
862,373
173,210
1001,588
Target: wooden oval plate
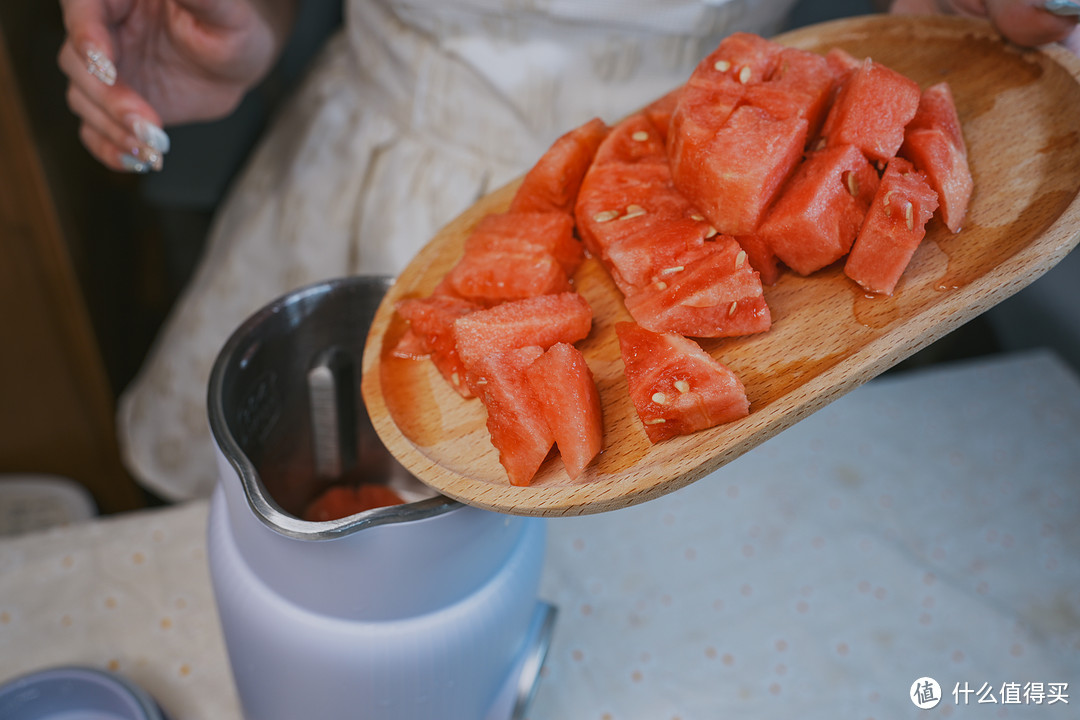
1020,111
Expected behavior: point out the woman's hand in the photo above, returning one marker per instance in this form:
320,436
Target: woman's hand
1023,22
136,65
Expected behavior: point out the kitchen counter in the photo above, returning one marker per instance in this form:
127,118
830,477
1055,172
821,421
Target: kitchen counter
925,525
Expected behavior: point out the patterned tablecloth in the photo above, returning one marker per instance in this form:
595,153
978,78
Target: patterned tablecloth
923,526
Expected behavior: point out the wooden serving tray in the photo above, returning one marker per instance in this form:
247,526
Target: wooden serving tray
1020,111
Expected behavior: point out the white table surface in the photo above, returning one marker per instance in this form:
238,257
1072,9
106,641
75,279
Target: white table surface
923,525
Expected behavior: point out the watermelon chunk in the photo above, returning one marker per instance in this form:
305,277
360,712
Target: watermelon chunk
893,229
565,387
496,276
716,294
515,419
676,387
543,321
633,140
735,175
934,143
552,183
872,107
431,322
820,210
541,232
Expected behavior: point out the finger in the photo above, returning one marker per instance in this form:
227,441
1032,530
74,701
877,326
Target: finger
87,25
109,153
1027,23
120,135
119,103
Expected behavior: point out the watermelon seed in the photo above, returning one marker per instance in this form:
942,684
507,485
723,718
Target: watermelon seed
722,65
661,285
697,217
744,74
659,398
633,211
710,233
731,310
740,259
852,183
606,215
682,386
456,378
640,136
668,271
909,216
656,421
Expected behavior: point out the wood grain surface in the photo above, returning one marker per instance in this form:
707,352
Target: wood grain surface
1020,111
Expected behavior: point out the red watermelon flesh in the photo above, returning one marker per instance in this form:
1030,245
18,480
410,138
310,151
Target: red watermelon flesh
633,140
636,223
733,177
871,109
551,232
934,143
715,294
699,112
515,419
676,387
543,320
629,213
552,183
658,243
740,59
761,258
893,229
801,85
937,111
820,211
341,501
660,111
411,347
842,62
496,276
566,390
431,320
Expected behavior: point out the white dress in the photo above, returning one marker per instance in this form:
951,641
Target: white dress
416,109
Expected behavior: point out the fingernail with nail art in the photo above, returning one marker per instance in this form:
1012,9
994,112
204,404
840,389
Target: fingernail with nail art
100,66
149,134
1065,8
134,164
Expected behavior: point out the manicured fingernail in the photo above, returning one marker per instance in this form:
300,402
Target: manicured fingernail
149,134
100,66
1065,8
152,158
134,164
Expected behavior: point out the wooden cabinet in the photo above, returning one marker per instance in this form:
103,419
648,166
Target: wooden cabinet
56,405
